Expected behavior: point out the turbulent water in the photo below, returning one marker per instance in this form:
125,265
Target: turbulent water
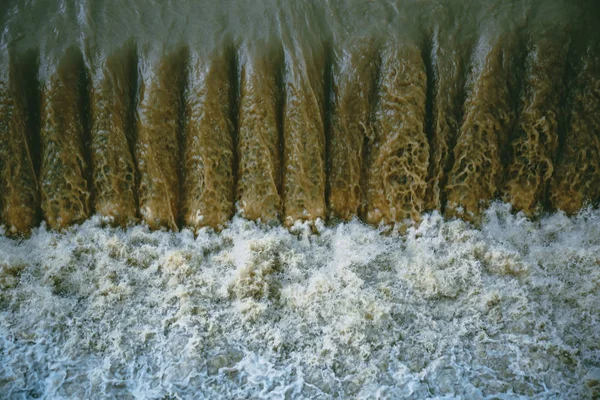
183,113
510,310
257,199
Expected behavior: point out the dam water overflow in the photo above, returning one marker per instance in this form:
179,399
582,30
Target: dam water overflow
300,122
196,199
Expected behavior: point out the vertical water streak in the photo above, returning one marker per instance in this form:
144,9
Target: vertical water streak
534,145
113,166
477,174
157,147
259,168
64,170
304,133
19,196
450,45
208,180
399,155
353,82
576,180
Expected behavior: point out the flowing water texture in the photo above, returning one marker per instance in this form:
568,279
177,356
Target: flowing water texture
445,310
299,199
184,114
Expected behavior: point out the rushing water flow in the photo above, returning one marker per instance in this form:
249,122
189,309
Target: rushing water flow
184,113
166,169
444,311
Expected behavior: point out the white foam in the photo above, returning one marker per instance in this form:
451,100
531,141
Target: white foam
444,311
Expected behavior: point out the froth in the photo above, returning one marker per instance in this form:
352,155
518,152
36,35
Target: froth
445,309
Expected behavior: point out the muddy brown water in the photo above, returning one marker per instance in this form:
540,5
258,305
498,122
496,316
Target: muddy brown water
182,113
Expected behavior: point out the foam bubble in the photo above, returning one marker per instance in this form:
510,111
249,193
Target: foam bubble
444,310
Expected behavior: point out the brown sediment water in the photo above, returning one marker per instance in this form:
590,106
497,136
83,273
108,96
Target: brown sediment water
534,145
258,147
576,181
354,76
208,171
210,123
477,173
399,153
157,148
112,139
294,112
304,134
19,196
64,170
448,64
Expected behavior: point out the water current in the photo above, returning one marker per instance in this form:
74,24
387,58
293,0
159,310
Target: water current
299,199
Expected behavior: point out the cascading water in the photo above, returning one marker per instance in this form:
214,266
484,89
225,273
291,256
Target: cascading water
300,199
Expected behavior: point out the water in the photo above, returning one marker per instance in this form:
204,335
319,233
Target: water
141,142
445,311
182,114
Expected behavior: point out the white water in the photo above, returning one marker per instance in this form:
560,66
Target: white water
505,311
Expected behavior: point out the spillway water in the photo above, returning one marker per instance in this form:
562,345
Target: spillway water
509,310
184,114
297,199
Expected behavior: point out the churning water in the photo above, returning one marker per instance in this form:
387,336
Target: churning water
446,310
185,121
